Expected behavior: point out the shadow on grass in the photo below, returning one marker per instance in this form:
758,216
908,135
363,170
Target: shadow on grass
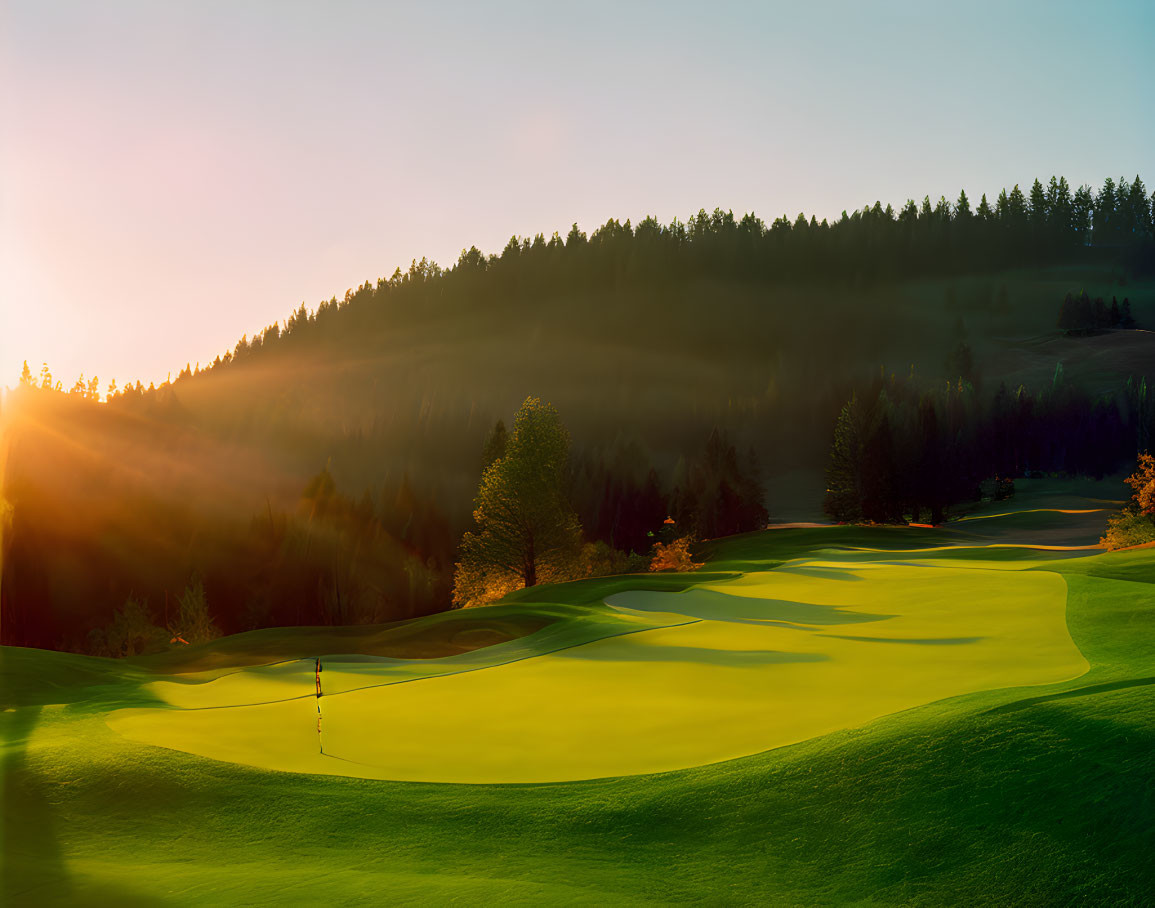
431,637
921,641
32,867
1087,691
712,605
823,573
699,655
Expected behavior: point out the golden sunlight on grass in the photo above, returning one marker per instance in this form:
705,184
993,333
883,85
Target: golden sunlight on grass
719,671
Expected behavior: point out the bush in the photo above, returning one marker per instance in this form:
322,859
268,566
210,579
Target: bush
1128,528
474,586
601,560
131,632
674,557
193,623
1004,488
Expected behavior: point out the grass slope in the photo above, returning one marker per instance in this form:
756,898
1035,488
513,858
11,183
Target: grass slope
1018,795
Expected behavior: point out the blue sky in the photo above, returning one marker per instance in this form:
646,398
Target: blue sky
173,175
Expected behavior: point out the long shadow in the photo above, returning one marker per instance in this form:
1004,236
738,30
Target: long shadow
32,868
824,573
697,654
920,641
713,605
1087,691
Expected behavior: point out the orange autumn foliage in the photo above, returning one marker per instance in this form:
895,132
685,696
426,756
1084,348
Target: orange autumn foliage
674,556
1143,482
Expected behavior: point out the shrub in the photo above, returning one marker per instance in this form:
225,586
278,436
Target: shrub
193,623
474,586
1128,528
130,632
477,587
601,560
674,556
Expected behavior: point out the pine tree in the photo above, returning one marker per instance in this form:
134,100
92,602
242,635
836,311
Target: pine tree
1102,318
1068,317
1084,315
1061,211
1127,321
1017,209
526,529
1082,215
1039,209
1140,209
1002,209
130,632
1124,218
879,479
1138,397
843,502
194,624
1104,214
928,479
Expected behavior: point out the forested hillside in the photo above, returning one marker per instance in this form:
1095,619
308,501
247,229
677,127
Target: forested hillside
323,471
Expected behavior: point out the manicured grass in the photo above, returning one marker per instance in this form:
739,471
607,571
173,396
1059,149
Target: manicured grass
722,670
1015,795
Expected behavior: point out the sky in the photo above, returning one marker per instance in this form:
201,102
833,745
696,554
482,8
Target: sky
174,175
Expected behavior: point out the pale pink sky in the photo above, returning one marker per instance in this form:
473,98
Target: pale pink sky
173,175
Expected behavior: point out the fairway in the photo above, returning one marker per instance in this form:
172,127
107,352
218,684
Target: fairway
675,679
940,756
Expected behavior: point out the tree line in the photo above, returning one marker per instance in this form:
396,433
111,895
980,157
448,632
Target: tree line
1050,222
527,527
1079,316
96,558
106,576
906,451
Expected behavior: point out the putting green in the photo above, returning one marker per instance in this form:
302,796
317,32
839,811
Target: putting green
673,680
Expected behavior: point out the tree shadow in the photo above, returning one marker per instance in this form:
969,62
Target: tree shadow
921,641
823,573
712,605
729,658
32,867
1087,691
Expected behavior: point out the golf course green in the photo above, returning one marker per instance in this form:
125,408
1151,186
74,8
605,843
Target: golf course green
821,715
714,672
